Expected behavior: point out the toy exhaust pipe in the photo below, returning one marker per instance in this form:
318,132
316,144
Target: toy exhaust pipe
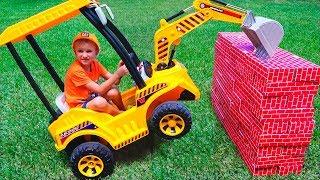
265,34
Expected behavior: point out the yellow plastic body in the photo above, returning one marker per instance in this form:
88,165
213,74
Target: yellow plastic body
131,125
205,10
42,21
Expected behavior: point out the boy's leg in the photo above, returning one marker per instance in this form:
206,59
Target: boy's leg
101,104
115,96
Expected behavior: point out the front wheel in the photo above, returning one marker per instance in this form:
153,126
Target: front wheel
171,120
92,160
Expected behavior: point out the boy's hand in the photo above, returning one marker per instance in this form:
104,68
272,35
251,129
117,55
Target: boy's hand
122,70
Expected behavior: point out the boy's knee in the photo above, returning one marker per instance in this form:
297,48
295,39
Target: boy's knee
113,92
99,102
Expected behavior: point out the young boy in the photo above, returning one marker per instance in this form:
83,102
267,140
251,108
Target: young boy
81,87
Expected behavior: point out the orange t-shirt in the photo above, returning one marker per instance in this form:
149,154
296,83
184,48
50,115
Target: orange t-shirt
75,91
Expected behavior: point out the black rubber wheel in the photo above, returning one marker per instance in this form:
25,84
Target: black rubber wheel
91,160
170,120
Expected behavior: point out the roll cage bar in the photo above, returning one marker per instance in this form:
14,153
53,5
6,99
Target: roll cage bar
109,31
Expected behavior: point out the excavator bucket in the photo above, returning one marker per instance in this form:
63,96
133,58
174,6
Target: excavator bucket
265,34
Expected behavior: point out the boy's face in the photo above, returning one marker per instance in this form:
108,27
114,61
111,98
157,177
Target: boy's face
85,51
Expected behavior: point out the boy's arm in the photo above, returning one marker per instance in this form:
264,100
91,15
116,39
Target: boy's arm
108,84
107,76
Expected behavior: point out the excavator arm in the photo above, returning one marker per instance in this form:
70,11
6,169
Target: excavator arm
169,35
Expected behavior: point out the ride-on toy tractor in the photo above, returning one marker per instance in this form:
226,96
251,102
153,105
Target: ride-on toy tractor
153,102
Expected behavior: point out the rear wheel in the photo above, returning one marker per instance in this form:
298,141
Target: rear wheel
92,160
171,120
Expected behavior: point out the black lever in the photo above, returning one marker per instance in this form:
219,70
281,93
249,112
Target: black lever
175,15
220,2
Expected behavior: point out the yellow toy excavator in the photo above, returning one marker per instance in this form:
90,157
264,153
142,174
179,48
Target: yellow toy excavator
153,102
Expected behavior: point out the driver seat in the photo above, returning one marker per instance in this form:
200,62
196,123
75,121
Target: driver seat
61,102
